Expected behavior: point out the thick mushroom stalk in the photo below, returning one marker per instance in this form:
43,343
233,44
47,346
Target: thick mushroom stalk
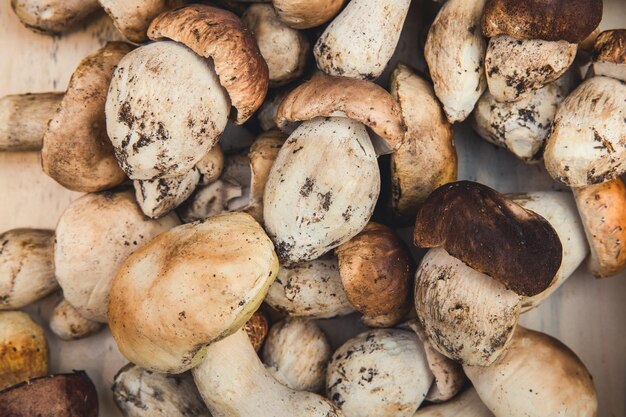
306,14
53,16
158,197
361,40
466,404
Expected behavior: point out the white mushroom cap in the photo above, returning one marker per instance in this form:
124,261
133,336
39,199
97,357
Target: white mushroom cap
296,353
209,200
52,16
466,404
68,324
382,373
158,197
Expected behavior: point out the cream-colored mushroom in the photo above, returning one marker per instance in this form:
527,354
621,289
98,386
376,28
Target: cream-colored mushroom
67,323
466,404
211,165
53,16
305,14
360,41
26,267
209,200
158,197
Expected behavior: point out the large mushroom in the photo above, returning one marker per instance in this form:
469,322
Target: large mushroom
53,16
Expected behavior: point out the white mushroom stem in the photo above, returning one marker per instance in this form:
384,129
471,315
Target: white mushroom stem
52,16
67,323
467,404
24,119
233,382
158,197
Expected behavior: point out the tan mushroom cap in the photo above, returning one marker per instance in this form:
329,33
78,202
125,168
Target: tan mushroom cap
190,287
77,152
602,208
609,54
376,272
305,14
257,328
492,235
359,100
550,20
218,34
52,16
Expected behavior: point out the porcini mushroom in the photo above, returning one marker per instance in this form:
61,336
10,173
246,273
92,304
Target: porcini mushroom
52,16
296,354
360,41
537,376
257,329
209,200
306,14
158,197
609,54
94,236
26,267
68,324
211,165
467,403
313,200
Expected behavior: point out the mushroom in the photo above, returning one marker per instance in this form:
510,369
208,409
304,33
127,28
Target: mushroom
257,328
211,165
132,17
52,16
559,209
284,49
158,197
68,324
141,393
455,53
296,354
375,269
311,289
267,112
587,144
211,60
489,252
76,150
522,126
221,269
313,200
537,376
94,236
427,158
609,54
602,208
467,404
26,267
209,200
306,14
360,41
23,350
382,372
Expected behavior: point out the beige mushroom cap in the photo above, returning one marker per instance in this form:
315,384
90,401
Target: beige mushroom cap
305,14
467,404
609,54
52,16
77,152
68,324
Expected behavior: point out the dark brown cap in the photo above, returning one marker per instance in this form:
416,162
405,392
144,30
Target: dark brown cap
491,234
550,20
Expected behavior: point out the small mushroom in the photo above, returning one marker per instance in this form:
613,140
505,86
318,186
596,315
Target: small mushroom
211,165
94,236
602,208
141,393
467,404
609,55
68,324
381,373
522,126
26,267
257,328
376,273
455,53
209,200
360,41
296,354
284,49
537,376
267,112
306,14
427,158
158,197
311,289
53,16
62,395
587,144
23,350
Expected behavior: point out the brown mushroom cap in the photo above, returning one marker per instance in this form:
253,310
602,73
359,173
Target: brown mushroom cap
257,328
362,101
492,235
218,34
550,20
610,46
77,152
305,14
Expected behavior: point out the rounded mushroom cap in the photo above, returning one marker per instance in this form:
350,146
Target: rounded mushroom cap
220,35
550,20
68,324
189,287
164,111
94,236
305,14
77,152
537,376
609,54
257,328
491,234
375,269
380,373
211,165
297,353
52,16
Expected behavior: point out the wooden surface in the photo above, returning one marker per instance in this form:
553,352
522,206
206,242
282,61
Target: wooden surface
586,314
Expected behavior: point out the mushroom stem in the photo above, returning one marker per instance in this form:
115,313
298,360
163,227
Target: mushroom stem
24,119
233,382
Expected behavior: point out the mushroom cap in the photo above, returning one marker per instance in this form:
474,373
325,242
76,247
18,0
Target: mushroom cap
220,35
376,273
382,373
68,324
77,152
468,403
257,327
158,197
537,376
550,20
94,236
359,100
609,54
306,14
602,208
52,16
189,287
491,234
211,165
